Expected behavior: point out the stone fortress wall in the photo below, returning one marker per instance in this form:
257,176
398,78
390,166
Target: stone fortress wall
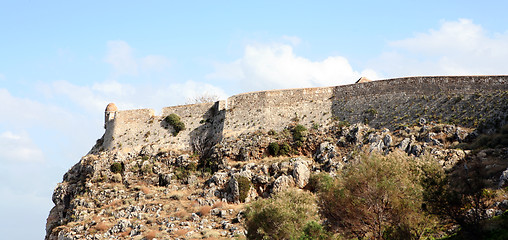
464,100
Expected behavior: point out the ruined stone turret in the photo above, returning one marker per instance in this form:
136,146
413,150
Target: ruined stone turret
110,113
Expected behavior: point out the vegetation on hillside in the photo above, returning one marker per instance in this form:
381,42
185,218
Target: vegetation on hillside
174,121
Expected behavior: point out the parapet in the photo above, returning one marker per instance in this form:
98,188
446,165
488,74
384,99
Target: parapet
383,103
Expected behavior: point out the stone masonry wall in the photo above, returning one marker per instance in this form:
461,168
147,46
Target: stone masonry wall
466,100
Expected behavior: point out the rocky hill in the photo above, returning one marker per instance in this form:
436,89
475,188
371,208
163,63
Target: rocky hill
151,190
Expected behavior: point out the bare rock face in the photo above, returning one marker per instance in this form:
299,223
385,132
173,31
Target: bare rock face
503,179
282,183
301,174
233,190
325,152
162,191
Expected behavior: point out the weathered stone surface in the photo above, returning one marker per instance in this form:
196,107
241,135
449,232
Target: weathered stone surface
233,191
404,144
387,140
326,151
301,174
503,179
282,183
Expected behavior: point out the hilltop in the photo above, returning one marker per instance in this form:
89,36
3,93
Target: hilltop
190,172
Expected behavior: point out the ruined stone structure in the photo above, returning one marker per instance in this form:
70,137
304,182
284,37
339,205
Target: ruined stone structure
472,100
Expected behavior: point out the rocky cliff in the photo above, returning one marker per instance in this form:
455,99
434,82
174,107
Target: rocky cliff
154,191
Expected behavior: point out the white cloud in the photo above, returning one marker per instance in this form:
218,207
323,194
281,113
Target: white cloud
294,40
154,63
84,96
187,90
120,55
456,48
276,66
128,96
113,88
19,148
23,112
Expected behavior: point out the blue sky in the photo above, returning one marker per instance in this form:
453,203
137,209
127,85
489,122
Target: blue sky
61,62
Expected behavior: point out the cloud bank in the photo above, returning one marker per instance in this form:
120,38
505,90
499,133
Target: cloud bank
457,48
275,66
122,58
19,148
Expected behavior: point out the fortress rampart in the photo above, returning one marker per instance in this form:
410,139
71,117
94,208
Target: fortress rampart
465,100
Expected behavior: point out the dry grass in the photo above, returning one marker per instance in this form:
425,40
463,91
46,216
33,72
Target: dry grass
182,214
218,204
181,232
145,189
103,226
151,235
114,203
211,234
205,210
126,233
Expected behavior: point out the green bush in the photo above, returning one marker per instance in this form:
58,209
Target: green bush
282,217
285,149
116,167
273,148
377,196
314,231
243,187
147,169
182,173
299,133
174,121
319,182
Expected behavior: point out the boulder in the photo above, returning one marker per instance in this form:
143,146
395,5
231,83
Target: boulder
232,190
282,183
404,144
503,179
387,140
325,152
301,174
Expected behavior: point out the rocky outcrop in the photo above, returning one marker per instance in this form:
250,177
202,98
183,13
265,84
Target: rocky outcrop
167,194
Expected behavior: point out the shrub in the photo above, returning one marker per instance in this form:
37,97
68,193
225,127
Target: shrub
281,217
273,148
285,149
314,231
299,133
243,187
319,182
375,196
147,169
116,167
174,121
182,173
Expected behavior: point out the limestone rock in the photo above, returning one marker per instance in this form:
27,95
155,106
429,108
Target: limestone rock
387,140
325,152
404,144
282,183
301,174
233,190
503,179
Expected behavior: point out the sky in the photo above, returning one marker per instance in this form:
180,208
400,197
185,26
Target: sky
62,62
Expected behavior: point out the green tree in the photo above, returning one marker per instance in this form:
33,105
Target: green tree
376,197
284,216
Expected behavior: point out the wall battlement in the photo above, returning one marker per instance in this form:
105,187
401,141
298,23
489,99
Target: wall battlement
384,103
